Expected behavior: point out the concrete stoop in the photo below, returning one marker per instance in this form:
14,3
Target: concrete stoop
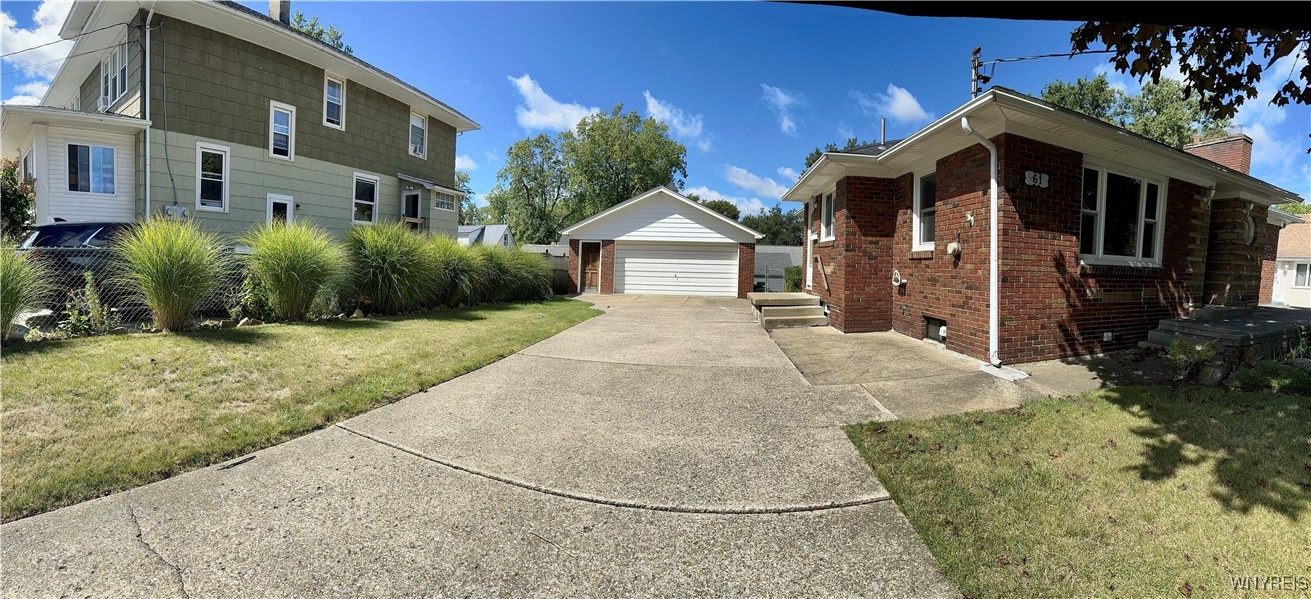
1240,333
779,310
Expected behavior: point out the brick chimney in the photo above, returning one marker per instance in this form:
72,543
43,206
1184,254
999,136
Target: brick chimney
281,11
1234,150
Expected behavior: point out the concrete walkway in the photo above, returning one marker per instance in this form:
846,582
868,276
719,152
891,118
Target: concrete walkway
665,448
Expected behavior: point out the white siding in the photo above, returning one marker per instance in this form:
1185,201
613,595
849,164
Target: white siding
1286,275
662,217
77,206
675,268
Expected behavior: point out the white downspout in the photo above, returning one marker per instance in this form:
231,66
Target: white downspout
146,110
994,252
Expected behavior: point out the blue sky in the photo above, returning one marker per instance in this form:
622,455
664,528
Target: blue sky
749,88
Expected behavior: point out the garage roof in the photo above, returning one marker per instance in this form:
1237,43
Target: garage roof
659,192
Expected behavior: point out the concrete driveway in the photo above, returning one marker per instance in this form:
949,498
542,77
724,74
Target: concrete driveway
665,448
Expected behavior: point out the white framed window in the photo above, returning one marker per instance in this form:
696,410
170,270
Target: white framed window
926,213
334,101
282,130
90,169
212,178
1122,215
281,208
418,135
75,103
113,75
1302,276
29,163
826,218
364,201
443,200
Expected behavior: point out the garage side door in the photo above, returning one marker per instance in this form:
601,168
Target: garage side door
675,268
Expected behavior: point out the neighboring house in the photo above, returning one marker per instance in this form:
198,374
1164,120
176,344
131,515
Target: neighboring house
1102,232
661,243
1286,280
486,235
554,251
212,110
772,260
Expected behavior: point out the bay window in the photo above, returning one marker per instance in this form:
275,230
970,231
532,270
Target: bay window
1121,218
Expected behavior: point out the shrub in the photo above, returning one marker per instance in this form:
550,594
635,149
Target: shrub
290,264
22,285
392,268
1272,376
1187,357
86,314
460,270
792,278
173,265
512,275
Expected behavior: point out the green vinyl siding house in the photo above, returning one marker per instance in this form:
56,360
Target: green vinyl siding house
210,110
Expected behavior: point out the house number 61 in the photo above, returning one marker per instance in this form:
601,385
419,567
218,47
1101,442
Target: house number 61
1035,179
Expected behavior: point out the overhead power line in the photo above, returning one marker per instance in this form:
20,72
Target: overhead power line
60,40
39,64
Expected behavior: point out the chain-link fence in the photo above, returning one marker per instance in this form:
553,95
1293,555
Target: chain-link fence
86,292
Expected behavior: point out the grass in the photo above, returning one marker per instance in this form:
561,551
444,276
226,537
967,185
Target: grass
88,417
1135,491
22,282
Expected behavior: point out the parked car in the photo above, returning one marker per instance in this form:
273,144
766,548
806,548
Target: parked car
67,251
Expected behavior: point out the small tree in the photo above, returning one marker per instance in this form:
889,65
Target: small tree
311,27
16,204
723,207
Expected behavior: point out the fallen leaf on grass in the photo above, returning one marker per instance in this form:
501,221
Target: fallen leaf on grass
1110,443
1186,589
1188,558
1054,454
880,430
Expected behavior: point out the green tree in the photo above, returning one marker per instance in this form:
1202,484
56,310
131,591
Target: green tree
470,212
852,143
779,227
1160,111
311,27
16,202
533,191
723,207
1301,208
1094,97
616,155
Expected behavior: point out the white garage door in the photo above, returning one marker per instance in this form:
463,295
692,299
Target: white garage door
675,268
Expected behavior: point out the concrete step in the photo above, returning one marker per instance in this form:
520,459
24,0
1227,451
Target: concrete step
778,322
1164,338
762,299
773,311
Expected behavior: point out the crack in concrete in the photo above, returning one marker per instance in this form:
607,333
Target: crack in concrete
682,509
140,537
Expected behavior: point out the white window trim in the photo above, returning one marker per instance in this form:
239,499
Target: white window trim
1292,283
455,201
341,80
1136,260
227,175
119,51
275,106
915,244
409,141
407,192
89,144
377,193
827,199
278,197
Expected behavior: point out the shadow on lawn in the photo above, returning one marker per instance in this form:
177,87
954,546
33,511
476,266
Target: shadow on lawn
1258,444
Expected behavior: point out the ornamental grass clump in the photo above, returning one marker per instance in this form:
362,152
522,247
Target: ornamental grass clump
459,272
173,265
22,284
290,264
392,268
513,275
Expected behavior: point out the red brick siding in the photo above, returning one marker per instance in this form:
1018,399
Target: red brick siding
1233,152
607,267
574,250
827,281
1268,263
1233,266
746,268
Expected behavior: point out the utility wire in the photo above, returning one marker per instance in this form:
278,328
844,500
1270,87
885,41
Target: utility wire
60,40
33,66
1063,55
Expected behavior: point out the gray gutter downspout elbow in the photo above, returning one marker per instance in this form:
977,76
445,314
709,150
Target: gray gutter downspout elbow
994,252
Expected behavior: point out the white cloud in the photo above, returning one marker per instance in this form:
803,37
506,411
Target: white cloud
464,163
685,126
42,63
754,183
540,111
897,104
744,205
782,102
788,174
845,131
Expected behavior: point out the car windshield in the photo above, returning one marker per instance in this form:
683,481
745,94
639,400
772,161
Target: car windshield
62,236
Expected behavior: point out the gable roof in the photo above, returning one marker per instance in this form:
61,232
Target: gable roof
484,234
650,193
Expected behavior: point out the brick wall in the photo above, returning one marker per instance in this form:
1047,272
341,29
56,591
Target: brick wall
746,268
1233,266
607,266
1268,263
1234,151
574,251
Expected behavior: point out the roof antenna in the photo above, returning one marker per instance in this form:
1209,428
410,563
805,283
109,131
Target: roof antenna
883,130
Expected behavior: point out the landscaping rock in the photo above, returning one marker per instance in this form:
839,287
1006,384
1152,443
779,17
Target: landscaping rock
227,323
153,330
341,316
249,322
119,331
358,313
18,331
1303,363
1213,373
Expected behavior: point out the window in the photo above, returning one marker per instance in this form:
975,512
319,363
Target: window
282,131
90,169
281,209
29,165
444,201
334,102
113,75
365,203
418,135
826,218
212,177
926,213
1120,218
1301,279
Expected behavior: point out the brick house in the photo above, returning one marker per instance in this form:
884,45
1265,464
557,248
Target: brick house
1102,232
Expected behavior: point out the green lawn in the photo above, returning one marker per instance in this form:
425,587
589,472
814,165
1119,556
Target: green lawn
87,417
1134,491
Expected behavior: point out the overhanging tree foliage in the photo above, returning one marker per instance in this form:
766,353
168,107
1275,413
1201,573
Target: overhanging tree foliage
779,227
851,144
329,35
1161,111
723,207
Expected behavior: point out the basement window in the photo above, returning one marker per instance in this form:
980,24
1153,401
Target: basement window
1121,218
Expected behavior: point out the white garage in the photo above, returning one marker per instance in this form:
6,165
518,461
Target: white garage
662,243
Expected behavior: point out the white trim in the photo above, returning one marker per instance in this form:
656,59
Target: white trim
418,206
1293,275
409,135
916,245
810,245
377,191
90,165
278,197
118,54
828,212
274,107
329,76
1099,256
642,196
455,200
202,146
